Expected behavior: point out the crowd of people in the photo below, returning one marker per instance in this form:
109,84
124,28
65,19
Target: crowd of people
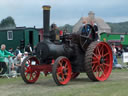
12,59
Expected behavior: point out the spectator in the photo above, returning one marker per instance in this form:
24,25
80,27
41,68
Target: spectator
34,51
10,50
126,49
18,62
3,54
114,55
25,55
28,48
17,51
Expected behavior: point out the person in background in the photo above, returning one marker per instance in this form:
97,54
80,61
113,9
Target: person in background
25,55
114,55
4,54
10,50
17,51
18,62
28,49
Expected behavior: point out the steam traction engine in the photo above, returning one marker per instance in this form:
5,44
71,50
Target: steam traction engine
66,60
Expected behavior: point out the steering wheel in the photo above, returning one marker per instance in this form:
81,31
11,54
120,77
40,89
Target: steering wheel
87,35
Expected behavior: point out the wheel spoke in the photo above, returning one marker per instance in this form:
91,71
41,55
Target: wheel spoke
30,76
106,64
97,72
95,68
59,69
83,36
93,65
26,71
102,50
62,77
26,74
94,58
105,54
105,59
60,63
94,62
102,71
66,74
95,55
103,67
84,43
98,50
58,73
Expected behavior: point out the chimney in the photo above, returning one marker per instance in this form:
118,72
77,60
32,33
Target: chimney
46,21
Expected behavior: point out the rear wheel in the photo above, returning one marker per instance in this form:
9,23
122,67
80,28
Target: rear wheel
28,74
98,61
61,71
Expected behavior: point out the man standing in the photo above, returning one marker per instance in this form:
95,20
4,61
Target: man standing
114,55
4,54
28,49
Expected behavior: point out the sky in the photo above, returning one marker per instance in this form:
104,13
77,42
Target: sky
30,13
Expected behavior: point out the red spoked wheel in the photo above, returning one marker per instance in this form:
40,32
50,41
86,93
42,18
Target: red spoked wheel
28,74
74,75
98,61
61,71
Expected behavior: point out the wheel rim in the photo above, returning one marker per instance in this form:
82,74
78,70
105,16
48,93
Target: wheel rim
63,71
30,74
102,61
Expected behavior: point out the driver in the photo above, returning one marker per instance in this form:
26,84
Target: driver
85,28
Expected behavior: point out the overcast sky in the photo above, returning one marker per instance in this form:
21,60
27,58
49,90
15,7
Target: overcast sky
29,12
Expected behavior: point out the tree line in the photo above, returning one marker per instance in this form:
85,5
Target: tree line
7,23
121,27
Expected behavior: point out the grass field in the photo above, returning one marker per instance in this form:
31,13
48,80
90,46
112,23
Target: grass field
116,85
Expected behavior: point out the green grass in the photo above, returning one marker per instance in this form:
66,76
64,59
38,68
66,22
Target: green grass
116,85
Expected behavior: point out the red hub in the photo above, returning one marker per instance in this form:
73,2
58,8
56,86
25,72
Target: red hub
61,71
28,74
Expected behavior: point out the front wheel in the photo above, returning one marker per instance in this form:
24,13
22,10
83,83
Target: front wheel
28,74
61,71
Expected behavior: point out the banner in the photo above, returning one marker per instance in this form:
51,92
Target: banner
125,57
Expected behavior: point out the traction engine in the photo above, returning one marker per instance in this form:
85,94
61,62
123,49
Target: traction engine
77,53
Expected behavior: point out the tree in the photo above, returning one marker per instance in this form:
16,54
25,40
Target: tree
66,27
7,23
121,27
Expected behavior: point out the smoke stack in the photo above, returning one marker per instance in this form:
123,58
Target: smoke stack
46,21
